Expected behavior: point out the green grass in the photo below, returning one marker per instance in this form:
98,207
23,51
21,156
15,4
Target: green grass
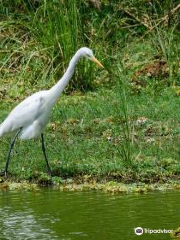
86,133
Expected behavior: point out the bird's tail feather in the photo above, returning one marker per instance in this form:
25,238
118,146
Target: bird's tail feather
1,130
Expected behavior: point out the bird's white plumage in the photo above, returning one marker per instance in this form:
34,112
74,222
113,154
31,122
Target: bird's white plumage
32,114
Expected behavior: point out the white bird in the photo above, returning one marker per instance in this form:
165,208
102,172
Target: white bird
29,119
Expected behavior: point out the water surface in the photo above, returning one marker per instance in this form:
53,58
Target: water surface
50,214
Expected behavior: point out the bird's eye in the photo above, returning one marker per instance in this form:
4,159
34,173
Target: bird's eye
88,55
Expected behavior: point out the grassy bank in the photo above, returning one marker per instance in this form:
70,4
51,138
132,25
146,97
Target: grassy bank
119,124
85,138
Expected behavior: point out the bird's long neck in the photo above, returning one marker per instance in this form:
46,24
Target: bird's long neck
57,89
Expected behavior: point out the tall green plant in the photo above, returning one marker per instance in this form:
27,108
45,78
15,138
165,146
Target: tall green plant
58,26
125,148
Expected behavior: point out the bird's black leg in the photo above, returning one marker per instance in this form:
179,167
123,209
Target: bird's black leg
44,152
9,152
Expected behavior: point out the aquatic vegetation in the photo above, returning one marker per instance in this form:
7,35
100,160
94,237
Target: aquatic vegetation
176,233
110,187
7,185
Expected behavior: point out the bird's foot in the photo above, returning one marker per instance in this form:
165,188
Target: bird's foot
50,173
3,174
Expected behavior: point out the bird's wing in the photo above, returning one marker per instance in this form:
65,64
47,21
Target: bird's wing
25,113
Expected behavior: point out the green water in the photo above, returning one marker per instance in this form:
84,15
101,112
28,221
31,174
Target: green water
50,214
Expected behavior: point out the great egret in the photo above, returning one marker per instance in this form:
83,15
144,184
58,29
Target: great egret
29,119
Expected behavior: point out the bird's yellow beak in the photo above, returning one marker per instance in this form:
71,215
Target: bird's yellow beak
96,61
